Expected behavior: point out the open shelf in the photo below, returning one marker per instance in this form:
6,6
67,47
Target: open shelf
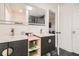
33,49
34,53
34,46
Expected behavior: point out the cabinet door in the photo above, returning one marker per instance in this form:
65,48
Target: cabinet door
51,43
3,49
44,45
20,48
47,44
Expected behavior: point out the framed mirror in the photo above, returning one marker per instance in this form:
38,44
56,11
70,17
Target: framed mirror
12,13
36,15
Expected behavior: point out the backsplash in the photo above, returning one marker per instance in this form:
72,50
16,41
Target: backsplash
6,33
19,32
37,30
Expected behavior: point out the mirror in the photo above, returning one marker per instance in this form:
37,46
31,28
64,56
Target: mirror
14,13
36,16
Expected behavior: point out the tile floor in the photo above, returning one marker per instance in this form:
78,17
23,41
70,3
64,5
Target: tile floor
62,53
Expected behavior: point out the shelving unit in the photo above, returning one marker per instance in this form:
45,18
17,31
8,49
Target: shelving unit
34,46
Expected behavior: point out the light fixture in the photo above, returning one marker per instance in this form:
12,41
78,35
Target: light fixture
20,10
29,7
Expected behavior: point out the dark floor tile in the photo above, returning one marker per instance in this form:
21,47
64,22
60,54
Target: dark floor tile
62,53
67,53
74,54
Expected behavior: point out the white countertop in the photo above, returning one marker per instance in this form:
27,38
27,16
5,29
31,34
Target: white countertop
43,35
17,38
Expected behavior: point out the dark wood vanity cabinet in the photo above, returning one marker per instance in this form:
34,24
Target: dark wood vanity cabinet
14,48
3,46
20,48
47,44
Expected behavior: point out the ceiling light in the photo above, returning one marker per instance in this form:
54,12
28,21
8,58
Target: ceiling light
29,7
20,10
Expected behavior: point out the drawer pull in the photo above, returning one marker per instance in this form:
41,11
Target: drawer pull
49,41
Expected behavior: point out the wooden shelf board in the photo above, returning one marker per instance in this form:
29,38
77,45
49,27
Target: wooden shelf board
33,49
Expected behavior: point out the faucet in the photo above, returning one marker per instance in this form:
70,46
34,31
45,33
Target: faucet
12,32
40,31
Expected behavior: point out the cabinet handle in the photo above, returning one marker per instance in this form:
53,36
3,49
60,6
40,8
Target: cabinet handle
73,32
49,41
58,32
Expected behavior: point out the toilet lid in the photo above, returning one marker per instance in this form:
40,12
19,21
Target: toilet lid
6,51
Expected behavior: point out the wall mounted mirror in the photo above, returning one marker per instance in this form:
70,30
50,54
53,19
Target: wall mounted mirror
36,15
12,13
15,13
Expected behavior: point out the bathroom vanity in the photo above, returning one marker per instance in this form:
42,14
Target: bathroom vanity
47,43
41,45
16,43
13,29
13,42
